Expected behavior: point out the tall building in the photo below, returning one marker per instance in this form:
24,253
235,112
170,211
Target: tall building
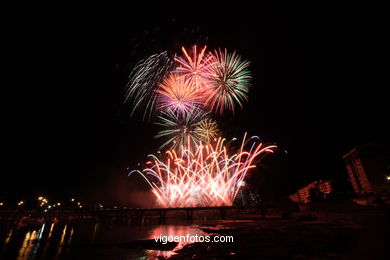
369,168
303,194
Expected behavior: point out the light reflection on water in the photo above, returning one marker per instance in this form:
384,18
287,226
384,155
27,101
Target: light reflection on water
27,245
170,230
88,239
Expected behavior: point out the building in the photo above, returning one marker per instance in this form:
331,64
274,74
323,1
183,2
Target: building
303,194
368,168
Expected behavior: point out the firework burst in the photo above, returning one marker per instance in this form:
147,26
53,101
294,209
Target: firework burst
195,69
179,128
144,79
201,175
228,84
207,130
178,95
199,168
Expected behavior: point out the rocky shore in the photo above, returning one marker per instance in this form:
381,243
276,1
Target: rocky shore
328,232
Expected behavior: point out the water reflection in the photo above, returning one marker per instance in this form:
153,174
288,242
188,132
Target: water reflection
172,230
8,237
38,242
96,227
90,239
48,239
28,243
61,243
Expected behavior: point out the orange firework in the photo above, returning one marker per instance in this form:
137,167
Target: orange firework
178,95
195,69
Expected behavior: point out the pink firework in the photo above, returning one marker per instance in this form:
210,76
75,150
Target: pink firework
195,68
202,175
178,95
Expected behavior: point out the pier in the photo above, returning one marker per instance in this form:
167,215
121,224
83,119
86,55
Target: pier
137,213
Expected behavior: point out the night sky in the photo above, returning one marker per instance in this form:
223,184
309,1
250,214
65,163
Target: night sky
316,92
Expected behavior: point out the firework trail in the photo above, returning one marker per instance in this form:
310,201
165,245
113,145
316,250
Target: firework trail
178,95
144,79
202,174
179,128
228,83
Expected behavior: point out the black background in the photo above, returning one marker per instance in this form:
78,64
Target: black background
318,91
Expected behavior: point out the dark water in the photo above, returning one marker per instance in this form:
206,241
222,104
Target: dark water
90,239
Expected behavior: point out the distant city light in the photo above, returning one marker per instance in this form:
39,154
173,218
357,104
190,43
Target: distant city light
43,203
388,178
